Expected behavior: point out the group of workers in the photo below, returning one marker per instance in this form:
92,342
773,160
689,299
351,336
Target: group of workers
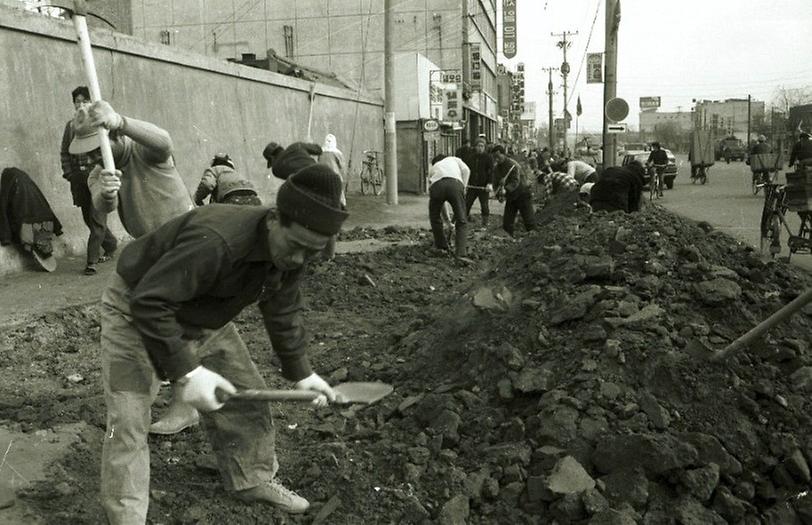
479,172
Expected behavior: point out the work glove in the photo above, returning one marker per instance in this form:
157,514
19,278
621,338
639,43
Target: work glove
102,114
199,389
489,188
110,182
317,384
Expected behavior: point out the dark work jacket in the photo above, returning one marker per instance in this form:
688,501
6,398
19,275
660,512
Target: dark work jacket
295,157
510,175
760,148
617,189
658,156
22,202
203,268
481,165
802,150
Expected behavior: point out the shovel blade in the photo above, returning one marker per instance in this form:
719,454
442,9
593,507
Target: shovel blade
360,392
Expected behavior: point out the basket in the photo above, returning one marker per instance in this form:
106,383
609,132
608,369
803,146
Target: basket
803,178
766,162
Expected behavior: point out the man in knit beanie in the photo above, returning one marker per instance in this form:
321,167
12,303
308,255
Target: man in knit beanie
167,315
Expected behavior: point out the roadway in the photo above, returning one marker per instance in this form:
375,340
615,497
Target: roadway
727,203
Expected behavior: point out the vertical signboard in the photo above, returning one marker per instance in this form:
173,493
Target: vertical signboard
594,68
476,67
509,28
452,102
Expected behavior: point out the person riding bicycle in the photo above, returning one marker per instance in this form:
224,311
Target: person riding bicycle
802,152
761,147
659,159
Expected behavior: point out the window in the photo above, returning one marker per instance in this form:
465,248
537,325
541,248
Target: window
165,37
289,52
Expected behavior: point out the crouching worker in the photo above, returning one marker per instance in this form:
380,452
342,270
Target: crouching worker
618,189
167,314
514,189
222,183
448,177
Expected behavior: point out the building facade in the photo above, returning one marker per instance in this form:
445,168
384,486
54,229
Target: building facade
345,37
729,117
649,120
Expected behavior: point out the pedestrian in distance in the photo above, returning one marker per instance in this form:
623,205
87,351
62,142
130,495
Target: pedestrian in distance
145,188
223,184
448,177
658,159
514,188
333,158
168,312
75,169
480,185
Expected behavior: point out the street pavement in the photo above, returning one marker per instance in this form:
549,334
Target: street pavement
727,203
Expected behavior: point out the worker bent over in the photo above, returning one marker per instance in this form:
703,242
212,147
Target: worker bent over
448,177
167,314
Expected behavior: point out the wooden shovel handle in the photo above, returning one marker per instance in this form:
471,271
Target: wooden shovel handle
268,395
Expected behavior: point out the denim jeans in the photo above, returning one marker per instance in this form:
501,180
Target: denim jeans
241,433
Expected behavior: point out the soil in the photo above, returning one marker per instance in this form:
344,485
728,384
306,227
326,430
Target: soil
567,343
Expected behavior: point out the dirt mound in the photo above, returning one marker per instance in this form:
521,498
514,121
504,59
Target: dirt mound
567,394
546,381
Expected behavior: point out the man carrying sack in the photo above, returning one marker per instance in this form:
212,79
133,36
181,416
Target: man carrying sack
167,315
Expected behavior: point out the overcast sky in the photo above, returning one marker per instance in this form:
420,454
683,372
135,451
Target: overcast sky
675,49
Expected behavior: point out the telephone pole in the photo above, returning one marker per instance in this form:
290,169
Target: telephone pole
564,44
550,94
390,132
612,17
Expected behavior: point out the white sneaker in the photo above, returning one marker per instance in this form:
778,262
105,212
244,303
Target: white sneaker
274,493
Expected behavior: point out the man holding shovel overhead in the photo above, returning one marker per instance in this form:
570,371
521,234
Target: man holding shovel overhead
146,188
167,315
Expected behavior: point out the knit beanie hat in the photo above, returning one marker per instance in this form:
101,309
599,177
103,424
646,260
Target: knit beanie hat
270,151
311,197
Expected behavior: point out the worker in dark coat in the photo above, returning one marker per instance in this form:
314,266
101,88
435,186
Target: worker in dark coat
618,189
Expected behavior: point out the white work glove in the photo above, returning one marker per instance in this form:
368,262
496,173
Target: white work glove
110,182
199,389
317,384
489,188
102,114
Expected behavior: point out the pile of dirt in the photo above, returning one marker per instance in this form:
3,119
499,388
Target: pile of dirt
544,383
566,394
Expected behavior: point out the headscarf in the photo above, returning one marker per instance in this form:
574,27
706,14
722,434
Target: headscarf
330,144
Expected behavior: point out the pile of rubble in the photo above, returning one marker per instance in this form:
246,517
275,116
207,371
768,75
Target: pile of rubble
561,390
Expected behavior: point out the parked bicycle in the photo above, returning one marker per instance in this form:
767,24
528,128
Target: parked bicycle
773,217
371,174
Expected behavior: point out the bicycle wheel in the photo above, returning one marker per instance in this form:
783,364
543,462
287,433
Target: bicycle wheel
376,180
770,223
366,187
755,182
703,176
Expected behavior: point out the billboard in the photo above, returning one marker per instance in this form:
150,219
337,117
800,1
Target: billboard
452,103
649,103
509,28
594,68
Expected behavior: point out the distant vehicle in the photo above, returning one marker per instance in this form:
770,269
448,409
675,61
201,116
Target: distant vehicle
730,148
636,146
642,156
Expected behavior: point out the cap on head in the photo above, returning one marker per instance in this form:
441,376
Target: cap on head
498,149
762,138
85,136
222,159
311,197
271,150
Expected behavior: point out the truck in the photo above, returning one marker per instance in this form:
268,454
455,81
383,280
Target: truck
730,148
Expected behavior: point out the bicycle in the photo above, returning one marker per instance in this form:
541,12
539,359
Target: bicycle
371,174
656,183
760,178
773,217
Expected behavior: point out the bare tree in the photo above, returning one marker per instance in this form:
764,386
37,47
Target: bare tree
786,97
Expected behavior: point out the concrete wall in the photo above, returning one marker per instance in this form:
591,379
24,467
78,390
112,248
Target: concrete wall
206,104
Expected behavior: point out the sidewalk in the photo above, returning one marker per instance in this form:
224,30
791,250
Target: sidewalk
32,291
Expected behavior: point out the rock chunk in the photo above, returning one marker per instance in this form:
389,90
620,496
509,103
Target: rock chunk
654,454
569,477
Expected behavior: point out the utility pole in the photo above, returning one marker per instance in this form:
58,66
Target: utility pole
390,131
748,122
564,44
550,94
612,17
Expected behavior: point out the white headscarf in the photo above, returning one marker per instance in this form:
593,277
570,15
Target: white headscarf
330,144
